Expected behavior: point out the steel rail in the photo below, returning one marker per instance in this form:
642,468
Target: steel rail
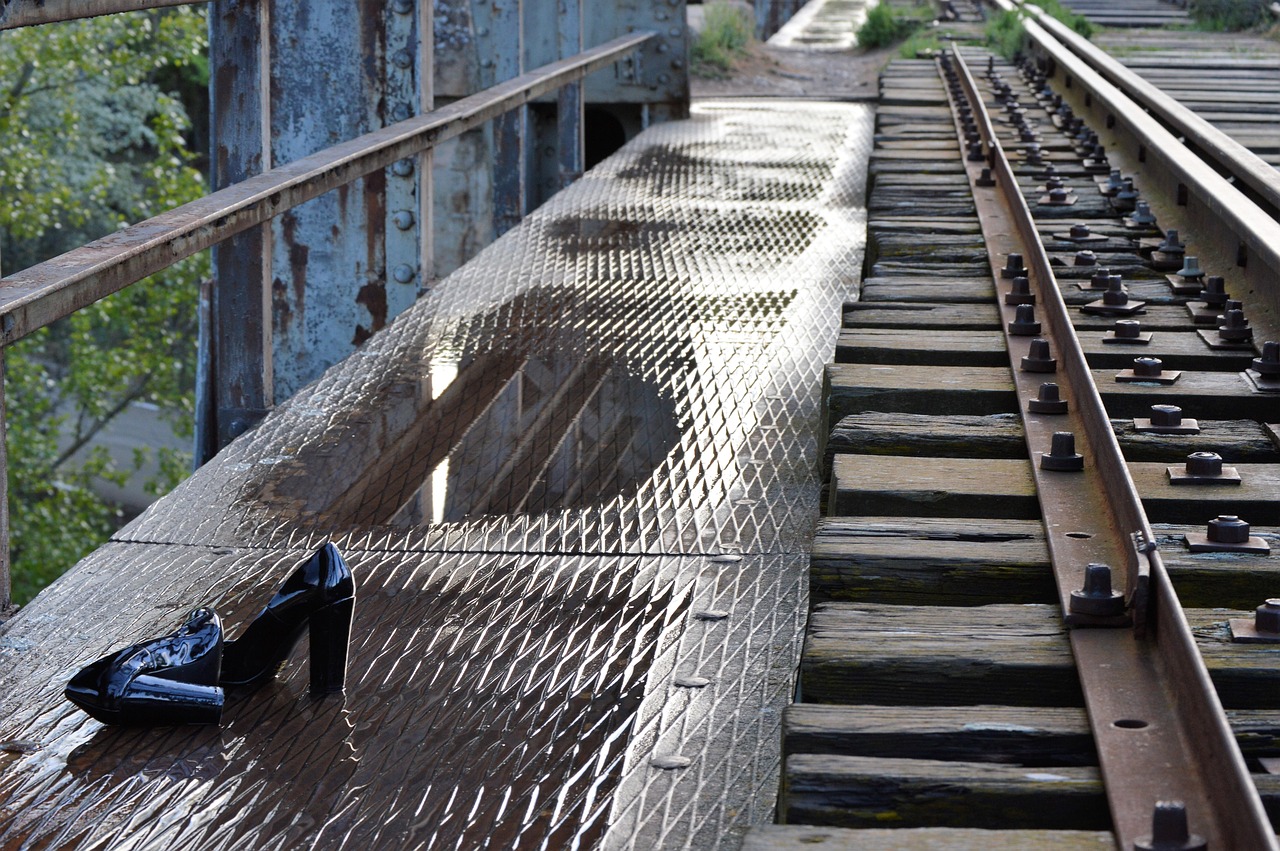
28,13
1219,148
36,296
1254,227
1159,727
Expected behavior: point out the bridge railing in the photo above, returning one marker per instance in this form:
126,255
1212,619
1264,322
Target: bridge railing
49,291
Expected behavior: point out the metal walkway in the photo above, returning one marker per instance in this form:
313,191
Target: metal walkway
576,483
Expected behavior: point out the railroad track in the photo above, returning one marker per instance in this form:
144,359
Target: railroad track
963,682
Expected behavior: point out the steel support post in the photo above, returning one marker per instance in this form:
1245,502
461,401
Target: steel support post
509,160
569,105
236,359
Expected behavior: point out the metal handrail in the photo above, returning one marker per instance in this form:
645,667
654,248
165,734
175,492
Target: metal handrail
15,14
48,291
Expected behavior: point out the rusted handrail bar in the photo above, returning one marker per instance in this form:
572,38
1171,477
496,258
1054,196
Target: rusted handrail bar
29,13
48,291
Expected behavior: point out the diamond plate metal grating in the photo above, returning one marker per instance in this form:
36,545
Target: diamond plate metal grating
602,426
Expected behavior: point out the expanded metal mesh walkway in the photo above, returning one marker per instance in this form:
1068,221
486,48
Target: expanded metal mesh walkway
576,483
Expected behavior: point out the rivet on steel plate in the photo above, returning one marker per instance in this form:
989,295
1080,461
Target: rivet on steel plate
985,179
403,7
1024,322
1039,358
1096,597
403,273
1203,468
1142,215
402,58
1227,533
1048,401
711,615
1013,267
1086,258
1062,456
403,219
670,761
402,168
1169,830
1020,292
401,112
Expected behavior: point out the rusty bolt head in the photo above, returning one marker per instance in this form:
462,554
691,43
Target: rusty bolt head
1086,258
1236,327
1166,415
1148,367
1267,616
1048,402
1191,267
1115,294
1062,456
1127,329
1039,358
975,152
1024,323
1114,181
1169,830
1204,464
1228,529
1096,597
1053,183
1099,278
1080,231
1269,363
1142,214
1013,266
1171,244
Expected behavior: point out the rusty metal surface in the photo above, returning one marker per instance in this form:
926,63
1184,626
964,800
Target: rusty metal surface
515,674
1160,729
36,296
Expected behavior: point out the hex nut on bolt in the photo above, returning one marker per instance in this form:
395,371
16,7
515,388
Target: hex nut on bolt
1169,830
1020,292
1166,415
1229,529
1039,358
1269,363
1062,456
1013,267
1096,597
1266,617
1204,464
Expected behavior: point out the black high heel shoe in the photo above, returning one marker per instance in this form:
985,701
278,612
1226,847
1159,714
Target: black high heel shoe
321,595
170,680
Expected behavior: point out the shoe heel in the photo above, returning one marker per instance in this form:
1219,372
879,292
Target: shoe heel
330,636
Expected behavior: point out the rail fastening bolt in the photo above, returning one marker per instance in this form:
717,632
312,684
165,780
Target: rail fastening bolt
1127,329
1171,244
1062,456
1080,230
1116,293
1236,329
1114,182
1190,268
1169,830
1148,367
1039,357
1142,214
1020,292
1166,416
1215,291
1096,597
1127,198
1204,464
1099,278
1024,322
1086,258
1049,401
1269,363
1013,266
1267,616
1228,529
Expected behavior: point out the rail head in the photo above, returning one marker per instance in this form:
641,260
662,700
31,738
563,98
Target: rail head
41,294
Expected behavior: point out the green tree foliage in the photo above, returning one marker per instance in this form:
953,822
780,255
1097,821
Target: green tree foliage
94,135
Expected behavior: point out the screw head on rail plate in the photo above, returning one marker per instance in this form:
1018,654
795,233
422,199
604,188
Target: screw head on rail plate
1142,215
1013,266
1166,419
1114,183
1227,533
1062,456
1190,267
1235,327
1169,830
1215,293
1127,331
1269,363
1049,400
1203,468
1126,200
1020,292
985,179
1024,322
1171,243
1096,597
1039,358
1148,369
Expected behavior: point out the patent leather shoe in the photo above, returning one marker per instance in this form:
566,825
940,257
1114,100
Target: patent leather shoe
319,596
170,680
